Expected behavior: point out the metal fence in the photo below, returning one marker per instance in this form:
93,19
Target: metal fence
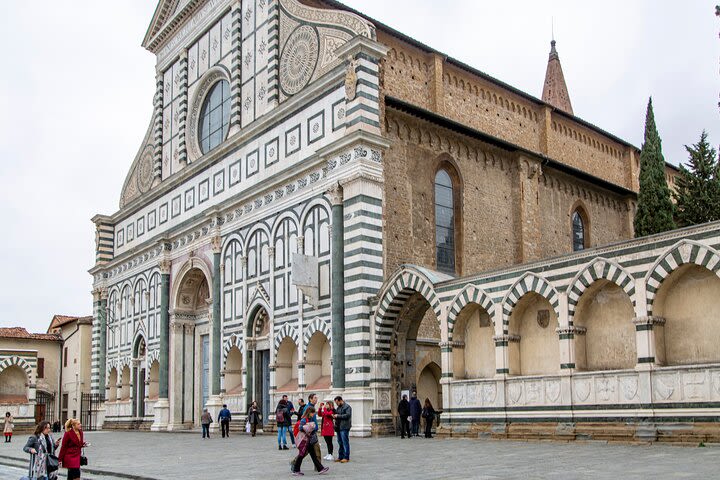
89,405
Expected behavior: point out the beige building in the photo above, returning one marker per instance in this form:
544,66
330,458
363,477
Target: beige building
43,376
29,375
76,335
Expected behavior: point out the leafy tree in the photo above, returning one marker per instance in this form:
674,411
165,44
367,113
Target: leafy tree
698,188
654,210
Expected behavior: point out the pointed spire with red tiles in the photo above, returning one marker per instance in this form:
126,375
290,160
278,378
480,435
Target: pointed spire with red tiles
555,90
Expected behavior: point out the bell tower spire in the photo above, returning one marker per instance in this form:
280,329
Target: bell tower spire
555,90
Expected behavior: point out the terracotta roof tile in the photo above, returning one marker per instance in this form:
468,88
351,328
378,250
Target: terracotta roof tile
20,332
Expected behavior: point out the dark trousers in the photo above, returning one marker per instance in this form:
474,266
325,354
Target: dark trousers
225,427
415,426
206,430
312,451
328,442
404,427
253,428
428,427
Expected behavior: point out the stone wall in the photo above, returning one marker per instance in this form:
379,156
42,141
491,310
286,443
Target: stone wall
444,86
512,209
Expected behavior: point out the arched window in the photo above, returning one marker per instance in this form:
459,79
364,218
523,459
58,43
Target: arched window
214,116
578,231
444,222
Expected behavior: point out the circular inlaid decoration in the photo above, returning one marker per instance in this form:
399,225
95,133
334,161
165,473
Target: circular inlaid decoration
145,171
298,59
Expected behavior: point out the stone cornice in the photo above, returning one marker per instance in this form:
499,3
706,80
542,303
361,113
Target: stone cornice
649,320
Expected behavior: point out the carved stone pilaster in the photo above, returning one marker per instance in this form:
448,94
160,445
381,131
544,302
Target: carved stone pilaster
301,243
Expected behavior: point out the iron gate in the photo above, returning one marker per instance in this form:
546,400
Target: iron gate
44,407
89,406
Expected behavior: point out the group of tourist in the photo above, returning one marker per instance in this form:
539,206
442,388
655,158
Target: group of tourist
327,419
410,412
45,458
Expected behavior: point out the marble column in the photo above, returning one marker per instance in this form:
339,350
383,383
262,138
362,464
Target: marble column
102,344
164,327
337,288
216,318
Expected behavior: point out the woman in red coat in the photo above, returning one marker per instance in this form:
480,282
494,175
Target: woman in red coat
71,449
328,428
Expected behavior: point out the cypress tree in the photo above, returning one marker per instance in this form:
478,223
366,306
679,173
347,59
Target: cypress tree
698,188
654,209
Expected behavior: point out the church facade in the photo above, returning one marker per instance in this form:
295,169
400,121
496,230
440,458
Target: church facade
312,209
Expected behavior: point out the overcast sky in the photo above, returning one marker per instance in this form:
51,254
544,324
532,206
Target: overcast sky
76,97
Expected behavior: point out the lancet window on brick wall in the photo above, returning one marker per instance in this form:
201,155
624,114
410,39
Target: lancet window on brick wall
578,230
444,222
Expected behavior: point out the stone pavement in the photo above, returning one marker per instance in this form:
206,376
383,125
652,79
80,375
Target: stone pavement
187,455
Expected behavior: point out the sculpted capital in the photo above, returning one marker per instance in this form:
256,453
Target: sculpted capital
164,266
335,194
216,243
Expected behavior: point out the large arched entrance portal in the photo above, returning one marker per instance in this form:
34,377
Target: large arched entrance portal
406,344
415,353
190,346
258,360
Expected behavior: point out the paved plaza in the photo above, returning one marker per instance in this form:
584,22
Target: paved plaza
184,455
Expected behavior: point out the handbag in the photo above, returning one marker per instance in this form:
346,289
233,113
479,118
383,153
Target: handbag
53,463
303,446
83,459
247,427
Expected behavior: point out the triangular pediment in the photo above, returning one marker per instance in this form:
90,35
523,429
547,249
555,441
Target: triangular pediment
166,12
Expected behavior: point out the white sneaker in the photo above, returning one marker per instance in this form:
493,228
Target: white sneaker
328,457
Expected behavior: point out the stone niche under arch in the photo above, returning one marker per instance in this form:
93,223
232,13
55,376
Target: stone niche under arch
687,300
535,348
474,348
605,335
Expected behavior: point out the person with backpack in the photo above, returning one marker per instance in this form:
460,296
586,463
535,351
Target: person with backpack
428,413
306,441
282,417
291,409
328,428
224,418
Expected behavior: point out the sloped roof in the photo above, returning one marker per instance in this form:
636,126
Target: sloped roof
22,333
60,320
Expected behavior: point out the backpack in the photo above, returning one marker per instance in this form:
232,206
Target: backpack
296,428
280,416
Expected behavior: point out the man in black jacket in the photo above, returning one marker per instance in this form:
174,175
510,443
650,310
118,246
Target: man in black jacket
404,414
343,424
